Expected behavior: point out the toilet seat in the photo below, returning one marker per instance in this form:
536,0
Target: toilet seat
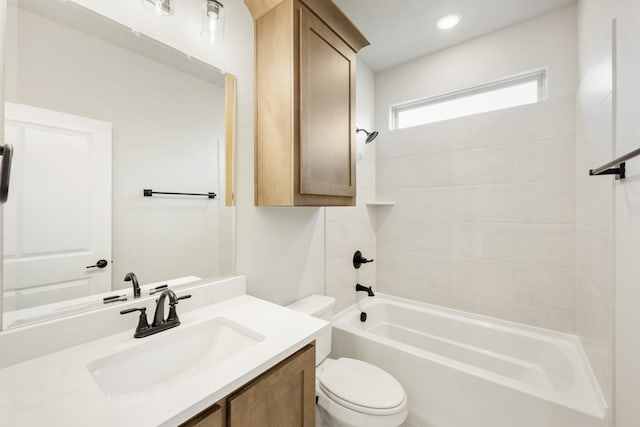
362,387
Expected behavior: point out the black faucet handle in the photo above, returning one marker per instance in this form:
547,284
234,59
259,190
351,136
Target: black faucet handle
358,259
158,289
183,297
142,310
175,301
173,315
114,298
143,323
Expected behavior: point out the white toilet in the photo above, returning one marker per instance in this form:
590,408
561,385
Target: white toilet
351,393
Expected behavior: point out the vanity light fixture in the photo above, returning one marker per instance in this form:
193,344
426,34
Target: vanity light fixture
449,21
213,21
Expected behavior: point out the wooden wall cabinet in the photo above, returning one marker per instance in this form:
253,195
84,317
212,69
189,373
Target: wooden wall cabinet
282,396
305,103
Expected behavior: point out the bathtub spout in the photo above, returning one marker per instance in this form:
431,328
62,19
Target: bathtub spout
366,289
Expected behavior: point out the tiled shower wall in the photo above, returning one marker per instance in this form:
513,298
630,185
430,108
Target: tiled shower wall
485,213
595,218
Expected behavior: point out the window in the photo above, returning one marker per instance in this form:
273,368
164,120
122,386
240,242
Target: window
506,93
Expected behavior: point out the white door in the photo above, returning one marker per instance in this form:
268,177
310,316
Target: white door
57,220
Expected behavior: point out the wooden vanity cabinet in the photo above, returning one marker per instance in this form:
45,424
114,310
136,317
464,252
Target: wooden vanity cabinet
282,396
305,103
213,416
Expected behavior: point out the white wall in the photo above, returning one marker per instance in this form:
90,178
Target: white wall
166,130
627,217
595,225
3,76
514,50
608,210
353,228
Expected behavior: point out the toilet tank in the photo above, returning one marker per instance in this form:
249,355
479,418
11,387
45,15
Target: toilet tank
318,306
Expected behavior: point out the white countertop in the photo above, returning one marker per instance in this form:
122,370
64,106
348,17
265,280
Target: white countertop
58,389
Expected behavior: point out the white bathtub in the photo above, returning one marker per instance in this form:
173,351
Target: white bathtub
465,370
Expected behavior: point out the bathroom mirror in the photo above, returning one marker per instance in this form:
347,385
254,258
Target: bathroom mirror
98,113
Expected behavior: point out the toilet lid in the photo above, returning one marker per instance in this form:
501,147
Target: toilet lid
361,384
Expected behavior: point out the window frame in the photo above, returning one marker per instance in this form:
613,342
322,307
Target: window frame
539,76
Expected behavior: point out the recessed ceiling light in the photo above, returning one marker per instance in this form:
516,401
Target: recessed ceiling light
449,21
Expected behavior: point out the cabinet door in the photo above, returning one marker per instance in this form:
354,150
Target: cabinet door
284,396
210,417
327,110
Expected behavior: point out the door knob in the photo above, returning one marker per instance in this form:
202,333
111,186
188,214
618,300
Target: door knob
102,263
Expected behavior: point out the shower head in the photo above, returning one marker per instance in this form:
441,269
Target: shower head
370,135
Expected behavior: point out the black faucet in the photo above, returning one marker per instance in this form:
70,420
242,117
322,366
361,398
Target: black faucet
158,317
366,289
159,322
130,277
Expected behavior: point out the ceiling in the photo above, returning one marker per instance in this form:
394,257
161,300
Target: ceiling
402,30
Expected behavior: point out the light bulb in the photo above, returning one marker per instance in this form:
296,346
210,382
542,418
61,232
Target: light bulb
213,21
213,10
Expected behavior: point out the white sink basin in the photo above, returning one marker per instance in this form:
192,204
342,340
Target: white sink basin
182,351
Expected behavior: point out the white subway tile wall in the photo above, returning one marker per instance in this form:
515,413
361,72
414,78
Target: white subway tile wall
485,214
595,195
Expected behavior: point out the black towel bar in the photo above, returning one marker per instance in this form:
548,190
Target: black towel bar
149,193
620,170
